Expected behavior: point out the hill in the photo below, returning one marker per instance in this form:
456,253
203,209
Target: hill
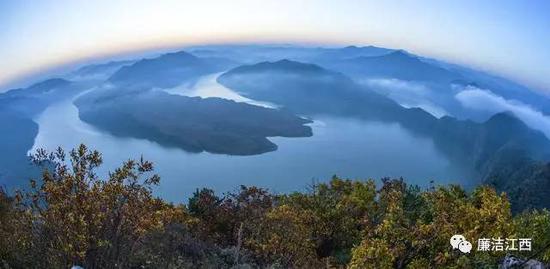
17,138
312,90
194,124
167,70
397,65
100,71
18,107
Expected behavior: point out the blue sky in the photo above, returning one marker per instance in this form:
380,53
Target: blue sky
509,38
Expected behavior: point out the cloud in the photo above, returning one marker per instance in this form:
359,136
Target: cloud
407,94
485,100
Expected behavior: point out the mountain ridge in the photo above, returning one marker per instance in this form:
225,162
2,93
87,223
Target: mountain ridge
475,143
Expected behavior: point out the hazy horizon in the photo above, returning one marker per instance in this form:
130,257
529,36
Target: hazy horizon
506,38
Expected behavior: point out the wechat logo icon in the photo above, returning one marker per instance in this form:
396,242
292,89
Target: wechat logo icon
459,242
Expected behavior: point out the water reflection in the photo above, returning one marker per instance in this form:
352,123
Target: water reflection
350,148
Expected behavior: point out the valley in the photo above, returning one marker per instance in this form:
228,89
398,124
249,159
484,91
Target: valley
210,120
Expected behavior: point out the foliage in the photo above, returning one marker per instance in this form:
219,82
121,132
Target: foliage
536,225
72,217
339,211
415,227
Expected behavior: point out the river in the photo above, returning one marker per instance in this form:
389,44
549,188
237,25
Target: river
345,147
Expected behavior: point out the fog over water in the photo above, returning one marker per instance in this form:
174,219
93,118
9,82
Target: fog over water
207,86
345,147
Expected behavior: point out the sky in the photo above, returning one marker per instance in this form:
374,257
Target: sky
505,37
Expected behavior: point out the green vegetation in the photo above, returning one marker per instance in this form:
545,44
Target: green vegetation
503,150
72,217
194,124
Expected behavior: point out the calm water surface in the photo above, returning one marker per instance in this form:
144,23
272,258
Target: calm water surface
345,147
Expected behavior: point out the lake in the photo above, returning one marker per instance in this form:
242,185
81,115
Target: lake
339,146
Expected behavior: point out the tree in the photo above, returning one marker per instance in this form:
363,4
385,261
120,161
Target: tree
74,218
415,227
340,210
285,239
535,225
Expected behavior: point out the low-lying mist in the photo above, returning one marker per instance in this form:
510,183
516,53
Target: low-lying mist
407,93
486,101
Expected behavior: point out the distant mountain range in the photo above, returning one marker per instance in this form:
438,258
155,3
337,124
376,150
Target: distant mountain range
98,71
313,90
309,89
168,70
397,65
127,99
369,62
353,52
132,108
495,145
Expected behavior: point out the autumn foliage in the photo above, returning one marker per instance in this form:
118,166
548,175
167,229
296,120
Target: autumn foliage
73,217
